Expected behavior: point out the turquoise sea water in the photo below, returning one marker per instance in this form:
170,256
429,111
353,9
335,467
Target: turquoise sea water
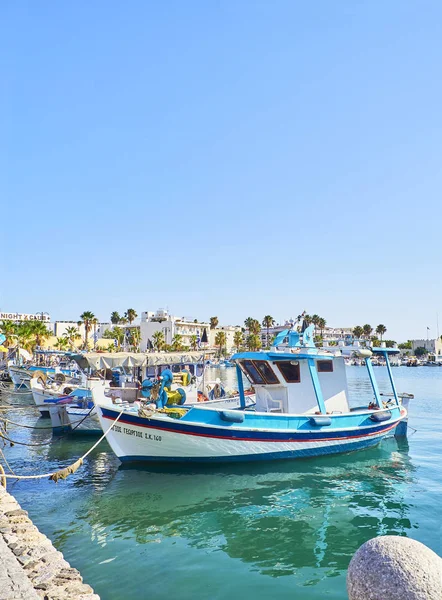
280,529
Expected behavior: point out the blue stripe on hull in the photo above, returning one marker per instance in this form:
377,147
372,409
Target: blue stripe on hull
291,454
248,434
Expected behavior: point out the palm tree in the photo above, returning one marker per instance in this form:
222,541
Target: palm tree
87,319
220,340
193,342
158,340
381,330
115,318
71,334
94,322
238,339
368,330
9,330
62,343
315,320
177,344
253,325
253,342
268,322
24,335
213,322
39,332
321,324
358,331
134,338
248,323
130,315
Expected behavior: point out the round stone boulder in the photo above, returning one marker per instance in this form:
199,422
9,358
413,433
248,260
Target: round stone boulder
391,567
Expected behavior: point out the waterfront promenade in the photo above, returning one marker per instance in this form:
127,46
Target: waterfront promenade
30,567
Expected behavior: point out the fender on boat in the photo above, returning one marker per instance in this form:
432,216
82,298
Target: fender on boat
231,416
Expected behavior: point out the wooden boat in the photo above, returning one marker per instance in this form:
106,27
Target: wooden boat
302,410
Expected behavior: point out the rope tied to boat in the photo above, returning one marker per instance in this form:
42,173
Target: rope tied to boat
69,470
64,473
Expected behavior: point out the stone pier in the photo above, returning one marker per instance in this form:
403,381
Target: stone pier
30,567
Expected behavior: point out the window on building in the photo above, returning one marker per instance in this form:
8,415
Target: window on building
324,366
266,371
290,372
251,371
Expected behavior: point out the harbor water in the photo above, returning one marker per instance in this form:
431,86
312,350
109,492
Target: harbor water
285,529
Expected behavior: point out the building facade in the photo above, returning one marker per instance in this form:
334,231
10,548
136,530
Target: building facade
171,326
431,346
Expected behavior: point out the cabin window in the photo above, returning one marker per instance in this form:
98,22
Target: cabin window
290,372
266,371
252,372
324,366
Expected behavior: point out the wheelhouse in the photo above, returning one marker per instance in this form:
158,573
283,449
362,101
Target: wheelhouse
295,377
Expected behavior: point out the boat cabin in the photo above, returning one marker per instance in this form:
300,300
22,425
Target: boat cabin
295,377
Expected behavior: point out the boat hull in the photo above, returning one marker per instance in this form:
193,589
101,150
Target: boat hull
138,439
84,421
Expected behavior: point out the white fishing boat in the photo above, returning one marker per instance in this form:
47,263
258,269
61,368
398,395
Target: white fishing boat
302,410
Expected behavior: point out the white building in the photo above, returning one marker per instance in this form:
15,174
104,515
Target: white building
171,326
230,331
431,346
60,328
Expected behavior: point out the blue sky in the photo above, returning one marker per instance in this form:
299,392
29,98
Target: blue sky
223,158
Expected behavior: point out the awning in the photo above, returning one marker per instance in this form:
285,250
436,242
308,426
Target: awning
173,358
111,360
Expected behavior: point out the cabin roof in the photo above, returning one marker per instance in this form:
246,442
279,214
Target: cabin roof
272,356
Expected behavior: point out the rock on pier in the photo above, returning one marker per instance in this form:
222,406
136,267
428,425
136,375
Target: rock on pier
30,567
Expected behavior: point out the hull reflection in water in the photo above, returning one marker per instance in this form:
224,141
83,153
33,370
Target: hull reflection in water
315,515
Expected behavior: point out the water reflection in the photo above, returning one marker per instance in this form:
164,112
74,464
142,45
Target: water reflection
278,518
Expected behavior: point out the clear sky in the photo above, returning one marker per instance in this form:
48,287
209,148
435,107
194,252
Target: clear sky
221,157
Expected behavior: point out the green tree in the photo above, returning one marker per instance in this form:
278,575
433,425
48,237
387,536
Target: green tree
358,331
381,330
420,351
220,340
131,315
62,343
38,332
134,338
193,342
24,335
116,333
213,322
367,330
406,345
158,340
238,339
268,322
252,325
115,318
315,321
71,335
9,330
87,319
177,343
321,324
253,342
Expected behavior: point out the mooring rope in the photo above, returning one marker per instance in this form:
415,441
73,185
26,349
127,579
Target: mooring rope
62,473
59,438
6,462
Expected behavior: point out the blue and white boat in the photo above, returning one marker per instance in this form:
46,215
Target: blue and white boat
302,410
